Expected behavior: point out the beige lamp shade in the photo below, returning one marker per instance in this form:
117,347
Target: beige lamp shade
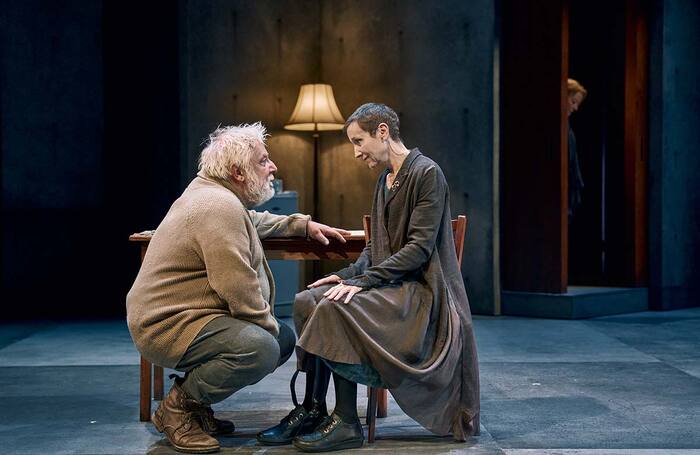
315,110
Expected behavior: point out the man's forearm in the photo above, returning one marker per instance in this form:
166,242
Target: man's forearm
271,225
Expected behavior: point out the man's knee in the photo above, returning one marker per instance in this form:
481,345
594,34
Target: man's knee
264,353
287,341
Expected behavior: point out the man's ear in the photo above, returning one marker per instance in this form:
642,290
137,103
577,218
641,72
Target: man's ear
236,174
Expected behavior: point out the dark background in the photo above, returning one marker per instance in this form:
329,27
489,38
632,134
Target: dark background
104,106
596,237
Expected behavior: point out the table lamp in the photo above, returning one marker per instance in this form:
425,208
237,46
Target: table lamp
315,111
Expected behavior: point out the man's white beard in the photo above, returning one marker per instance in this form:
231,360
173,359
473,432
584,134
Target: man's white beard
258,192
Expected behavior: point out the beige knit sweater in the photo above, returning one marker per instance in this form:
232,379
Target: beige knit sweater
205,260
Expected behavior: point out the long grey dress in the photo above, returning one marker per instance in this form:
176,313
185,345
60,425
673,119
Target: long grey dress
412,321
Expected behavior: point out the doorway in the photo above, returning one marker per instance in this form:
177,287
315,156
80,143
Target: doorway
604,46
607,54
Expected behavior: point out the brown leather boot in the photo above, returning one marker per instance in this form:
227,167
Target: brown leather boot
177,418
212,425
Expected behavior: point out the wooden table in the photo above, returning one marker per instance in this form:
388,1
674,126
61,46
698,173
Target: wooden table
291,248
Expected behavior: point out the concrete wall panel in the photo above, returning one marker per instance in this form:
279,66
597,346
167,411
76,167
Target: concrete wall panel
674,155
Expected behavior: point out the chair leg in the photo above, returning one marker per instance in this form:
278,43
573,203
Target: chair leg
157,382
369,404
382,403
476,421
371,414
145,391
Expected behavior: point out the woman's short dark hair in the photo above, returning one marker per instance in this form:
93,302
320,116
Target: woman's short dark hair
370,115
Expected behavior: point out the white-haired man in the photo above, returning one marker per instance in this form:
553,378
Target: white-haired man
202,301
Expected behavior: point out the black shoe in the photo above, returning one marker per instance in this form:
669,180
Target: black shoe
297,422
333,433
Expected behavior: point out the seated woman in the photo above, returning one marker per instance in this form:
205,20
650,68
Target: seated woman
398,317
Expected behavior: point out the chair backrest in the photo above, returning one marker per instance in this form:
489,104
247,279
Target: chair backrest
459,230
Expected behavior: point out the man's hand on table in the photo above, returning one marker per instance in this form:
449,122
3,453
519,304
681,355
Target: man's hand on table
321,232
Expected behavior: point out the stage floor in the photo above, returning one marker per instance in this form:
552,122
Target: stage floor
627,384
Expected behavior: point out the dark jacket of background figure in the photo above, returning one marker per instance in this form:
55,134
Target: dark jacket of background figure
575,177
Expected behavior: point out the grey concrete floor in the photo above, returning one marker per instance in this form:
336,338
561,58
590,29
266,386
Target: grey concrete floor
625,384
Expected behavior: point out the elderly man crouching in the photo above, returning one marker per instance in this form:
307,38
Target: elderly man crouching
202,301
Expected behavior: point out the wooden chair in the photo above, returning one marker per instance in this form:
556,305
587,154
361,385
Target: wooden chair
145,390
147,370
377,399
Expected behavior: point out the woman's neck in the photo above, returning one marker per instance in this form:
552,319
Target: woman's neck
397,154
